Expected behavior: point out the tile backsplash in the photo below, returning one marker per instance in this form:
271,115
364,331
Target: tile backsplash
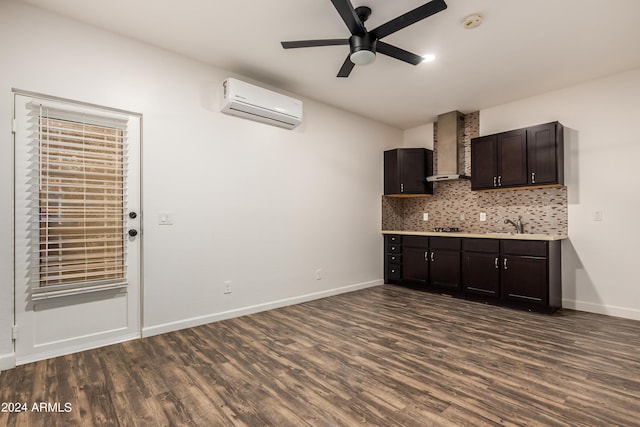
453,204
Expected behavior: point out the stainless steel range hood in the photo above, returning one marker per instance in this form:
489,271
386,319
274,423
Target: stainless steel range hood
449,148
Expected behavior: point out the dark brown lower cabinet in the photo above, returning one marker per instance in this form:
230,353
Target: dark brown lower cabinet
530,273
521,273
481,267
415,260
444,262
392,258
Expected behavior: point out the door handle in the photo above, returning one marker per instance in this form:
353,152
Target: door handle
133,232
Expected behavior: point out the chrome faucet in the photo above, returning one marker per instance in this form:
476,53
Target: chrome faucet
517,224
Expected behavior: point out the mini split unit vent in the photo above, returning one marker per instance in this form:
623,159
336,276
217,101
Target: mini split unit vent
261,105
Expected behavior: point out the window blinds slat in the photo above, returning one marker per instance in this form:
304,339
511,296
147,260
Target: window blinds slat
81,161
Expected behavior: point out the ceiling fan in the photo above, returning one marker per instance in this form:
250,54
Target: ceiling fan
363,43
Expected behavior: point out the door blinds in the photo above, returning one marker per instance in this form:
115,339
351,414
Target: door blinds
79,160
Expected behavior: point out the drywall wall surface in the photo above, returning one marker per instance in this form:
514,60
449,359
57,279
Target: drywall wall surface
419,137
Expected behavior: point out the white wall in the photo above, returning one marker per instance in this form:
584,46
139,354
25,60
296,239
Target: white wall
602,150
254,204
419,137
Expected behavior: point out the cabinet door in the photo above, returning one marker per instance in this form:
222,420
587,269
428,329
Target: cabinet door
444,268
413,170
512,158
524,279
415,267
406,171
484,166
542,154
481,273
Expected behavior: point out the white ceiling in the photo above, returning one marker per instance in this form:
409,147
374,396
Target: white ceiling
522,48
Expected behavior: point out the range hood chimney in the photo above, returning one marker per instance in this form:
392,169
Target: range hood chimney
449,148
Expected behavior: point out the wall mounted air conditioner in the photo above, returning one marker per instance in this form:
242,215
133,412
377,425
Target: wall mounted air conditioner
261,105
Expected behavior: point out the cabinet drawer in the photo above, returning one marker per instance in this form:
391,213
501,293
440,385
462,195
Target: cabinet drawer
394,259
392,238
481,245
524,247
393,272
394,248
448,243
416,241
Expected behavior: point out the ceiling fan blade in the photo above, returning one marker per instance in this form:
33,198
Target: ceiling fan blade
314,43
346,68
349,16
411,17
396,52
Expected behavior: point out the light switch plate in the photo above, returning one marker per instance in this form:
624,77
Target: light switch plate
483,216
165,218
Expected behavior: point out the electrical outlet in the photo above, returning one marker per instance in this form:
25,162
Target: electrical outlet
598,215
319,274
425,216
227,287
483,216
462,217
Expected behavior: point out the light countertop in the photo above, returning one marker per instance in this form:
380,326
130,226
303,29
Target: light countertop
511,236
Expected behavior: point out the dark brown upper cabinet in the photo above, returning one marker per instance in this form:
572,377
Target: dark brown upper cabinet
406,171
545,154
528,157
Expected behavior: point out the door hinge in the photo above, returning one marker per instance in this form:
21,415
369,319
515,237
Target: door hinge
14,332
14,125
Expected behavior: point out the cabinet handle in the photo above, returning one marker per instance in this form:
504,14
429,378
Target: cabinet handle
504,264
495,181
402,188
496,263
499,180
426,255
432,256
533,177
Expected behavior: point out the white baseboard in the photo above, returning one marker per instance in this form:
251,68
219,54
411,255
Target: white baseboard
609,310
7,361
216,317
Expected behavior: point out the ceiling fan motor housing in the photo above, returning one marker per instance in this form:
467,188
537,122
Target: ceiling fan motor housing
365,42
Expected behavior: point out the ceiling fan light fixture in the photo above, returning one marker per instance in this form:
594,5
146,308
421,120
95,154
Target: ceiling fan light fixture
363,49
362,57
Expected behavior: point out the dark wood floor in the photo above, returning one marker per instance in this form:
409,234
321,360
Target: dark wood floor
386,356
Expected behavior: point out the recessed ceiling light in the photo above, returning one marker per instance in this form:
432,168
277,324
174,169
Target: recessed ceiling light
472,21
428,58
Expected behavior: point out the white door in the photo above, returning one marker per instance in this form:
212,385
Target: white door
77,227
